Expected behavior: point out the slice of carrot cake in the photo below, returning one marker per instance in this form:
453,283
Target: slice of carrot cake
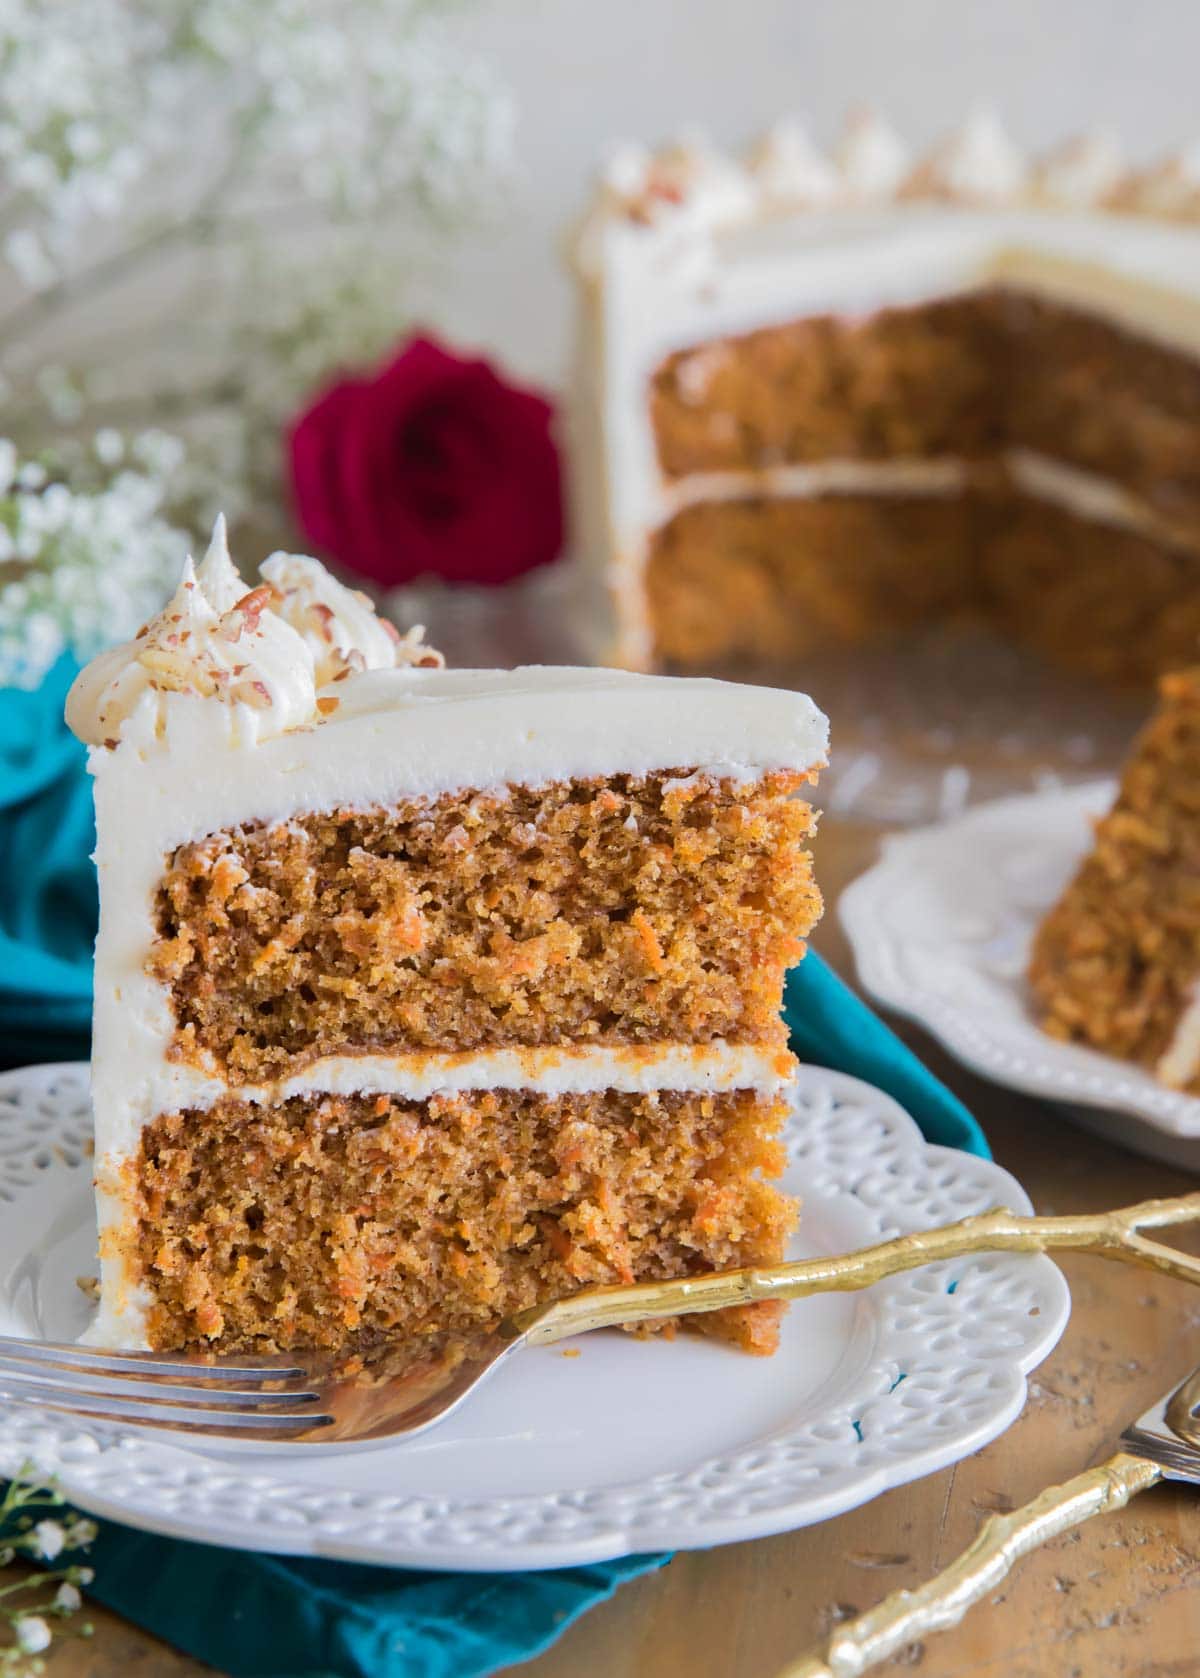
1116,963
423,995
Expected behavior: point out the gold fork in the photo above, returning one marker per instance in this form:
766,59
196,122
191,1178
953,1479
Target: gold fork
302,1398
1164,1443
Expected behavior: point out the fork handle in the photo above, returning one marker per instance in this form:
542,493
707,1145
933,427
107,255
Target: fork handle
1002,1540
1112,1235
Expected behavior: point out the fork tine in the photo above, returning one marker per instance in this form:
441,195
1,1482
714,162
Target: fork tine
163,1377
148,1413
148,1363
17,1381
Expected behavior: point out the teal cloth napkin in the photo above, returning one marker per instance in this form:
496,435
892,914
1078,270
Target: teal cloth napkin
47,882
257,1616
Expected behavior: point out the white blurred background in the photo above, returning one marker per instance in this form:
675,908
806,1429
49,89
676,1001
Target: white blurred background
201,227
588,72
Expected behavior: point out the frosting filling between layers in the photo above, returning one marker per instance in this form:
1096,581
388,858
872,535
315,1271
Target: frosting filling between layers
1090,497
825,477
1086,495
550,1071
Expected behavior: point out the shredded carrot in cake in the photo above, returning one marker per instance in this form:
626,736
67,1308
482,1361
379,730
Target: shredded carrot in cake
631,911
364,1221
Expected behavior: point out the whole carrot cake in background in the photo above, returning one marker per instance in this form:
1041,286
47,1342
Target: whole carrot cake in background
423,995
1116,963
827,400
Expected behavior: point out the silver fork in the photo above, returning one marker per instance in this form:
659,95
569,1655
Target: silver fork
303,1397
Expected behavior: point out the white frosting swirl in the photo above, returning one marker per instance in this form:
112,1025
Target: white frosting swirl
871,158
709,187
339,625
109,689
1082,172
976,165
219,578
265,653
1170,188
789,171
623,176
247,656
686,178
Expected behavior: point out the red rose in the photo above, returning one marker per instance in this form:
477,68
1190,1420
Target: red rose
433,467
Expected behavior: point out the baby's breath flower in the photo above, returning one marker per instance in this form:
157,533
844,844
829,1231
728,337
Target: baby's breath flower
301,118
29,1604
32,1634
50,1540
109,446
94,563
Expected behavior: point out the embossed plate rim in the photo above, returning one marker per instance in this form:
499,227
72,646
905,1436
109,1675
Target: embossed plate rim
939,1369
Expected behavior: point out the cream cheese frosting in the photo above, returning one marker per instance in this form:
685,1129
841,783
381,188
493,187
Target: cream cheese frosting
686,178
339,625
1082,173
1180,1061
265,652
1170,187
690,183
978,164
789,171
220,581
872,160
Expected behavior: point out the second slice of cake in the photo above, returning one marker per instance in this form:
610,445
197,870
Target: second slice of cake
424,995
1115,965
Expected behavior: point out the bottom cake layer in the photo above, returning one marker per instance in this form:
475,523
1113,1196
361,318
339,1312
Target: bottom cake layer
775,579
751,581
358,1222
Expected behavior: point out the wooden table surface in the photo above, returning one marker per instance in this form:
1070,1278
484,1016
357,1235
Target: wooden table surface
1114,1598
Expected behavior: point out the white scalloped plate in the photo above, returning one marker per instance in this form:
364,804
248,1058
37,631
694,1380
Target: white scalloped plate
941,928
631,1446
